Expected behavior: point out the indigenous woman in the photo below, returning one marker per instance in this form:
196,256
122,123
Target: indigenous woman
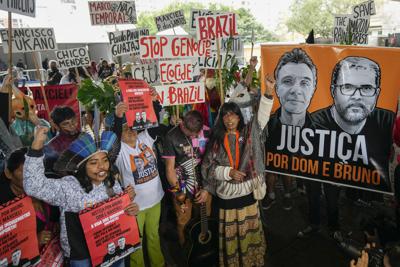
90,182
233,171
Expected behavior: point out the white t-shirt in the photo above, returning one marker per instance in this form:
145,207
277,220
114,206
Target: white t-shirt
138,167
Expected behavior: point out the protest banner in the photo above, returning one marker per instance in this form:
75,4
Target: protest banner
169,47
23,7
148,72
126,42
51,254
216,26
75,57
137,95
170,20
110,233
227,61
180,94
57,95
194,13
29,40
172,71
335,123
19,244
112,12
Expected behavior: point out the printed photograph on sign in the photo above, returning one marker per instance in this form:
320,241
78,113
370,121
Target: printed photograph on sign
334,118
126,42
137,95
168,47
112,12
216,26
75,57
27,8
170,20
180,94
29,40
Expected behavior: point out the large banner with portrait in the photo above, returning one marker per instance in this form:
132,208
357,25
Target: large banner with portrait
334,112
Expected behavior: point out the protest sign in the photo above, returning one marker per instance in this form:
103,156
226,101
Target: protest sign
216,26
137,95
180,94
110,233
340,32
126,42
227,61
234,45
57,95
194,13
75,57
158,47
148,72
112,12
170,20
29,40
51,254
23,7
172,71
19,245
340,129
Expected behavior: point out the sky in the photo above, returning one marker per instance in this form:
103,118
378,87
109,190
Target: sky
71,21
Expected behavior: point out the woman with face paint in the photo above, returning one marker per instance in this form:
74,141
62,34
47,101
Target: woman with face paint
89,181
232,169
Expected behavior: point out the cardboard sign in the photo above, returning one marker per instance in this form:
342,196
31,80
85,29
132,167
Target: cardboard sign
340,28
57,95
109,232
112,12
172,71
75,57
23,7
194,13
158,47
216,26
137,95
180,94
227,61
338,117
29,40
170,20
51,254
19,245
148,72
234,44
126,42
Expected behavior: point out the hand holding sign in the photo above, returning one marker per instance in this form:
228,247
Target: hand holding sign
132,209
130,191
120,109
269,84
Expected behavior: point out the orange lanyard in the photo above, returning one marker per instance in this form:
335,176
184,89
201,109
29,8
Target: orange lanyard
228,150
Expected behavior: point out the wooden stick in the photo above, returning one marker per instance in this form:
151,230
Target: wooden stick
78,77
252,42
46,104
220,72
10,93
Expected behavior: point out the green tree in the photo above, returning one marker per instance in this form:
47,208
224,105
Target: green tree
246,21
318,15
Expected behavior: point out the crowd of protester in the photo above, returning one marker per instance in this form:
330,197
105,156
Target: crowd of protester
188,163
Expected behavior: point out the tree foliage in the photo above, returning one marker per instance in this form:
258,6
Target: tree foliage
317,14
246,21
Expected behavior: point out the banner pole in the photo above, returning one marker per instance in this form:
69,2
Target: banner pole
220,72
10,67
46,104
177,107
78,77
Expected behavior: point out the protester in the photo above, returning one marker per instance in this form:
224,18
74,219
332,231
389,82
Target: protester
105,70
91,183
20,64
11,186
137,163
70,77
92,70
55,76
45,64
184,147
66,123
233,170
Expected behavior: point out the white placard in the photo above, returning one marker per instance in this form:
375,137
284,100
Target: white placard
148,72
126,42
75,57
180,94
216,26
23,7
172,71
170,20
112,12
29,40
212,62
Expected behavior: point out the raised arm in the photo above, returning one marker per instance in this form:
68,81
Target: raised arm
266,102
35,183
